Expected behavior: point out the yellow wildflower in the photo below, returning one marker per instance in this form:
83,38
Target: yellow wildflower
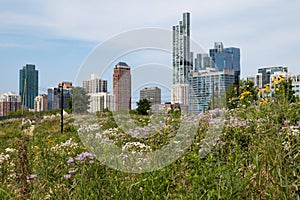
259,91
267,88
264,101
281,79
167,127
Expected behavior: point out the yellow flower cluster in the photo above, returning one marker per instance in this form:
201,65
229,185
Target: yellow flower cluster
264,101
267,88
244,94
277,80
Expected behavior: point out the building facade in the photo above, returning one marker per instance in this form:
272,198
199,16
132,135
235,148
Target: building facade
67,92
296,86
53,98
226,59
263,76
182,60
101,101
202,61
122,86
28,85
9,102
41,103
152,94
207,89
95,84
54,95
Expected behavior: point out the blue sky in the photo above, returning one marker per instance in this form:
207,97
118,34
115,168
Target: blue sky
58,35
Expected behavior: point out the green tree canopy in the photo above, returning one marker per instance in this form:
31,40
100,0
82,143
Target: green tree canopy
143,106
80,100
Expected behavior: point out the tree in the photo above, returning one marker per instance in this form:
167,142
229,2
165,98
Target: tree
143,106
80,100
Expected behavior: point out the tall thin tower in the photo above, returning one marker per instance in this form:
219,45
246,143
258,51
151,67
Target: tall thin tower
182,60
28,85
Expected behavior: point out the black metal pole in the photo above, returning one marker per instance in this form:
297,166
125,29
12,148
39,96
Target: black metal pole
62,109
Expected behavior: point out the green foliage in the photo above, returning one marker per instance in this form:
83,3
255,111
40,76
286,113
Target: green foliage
80,100
284,92
255,157
242,96
143,106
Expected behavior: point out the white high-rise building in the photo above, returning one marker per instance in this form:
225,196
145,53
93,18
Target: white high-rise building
101,101
182,61
41,103
95,84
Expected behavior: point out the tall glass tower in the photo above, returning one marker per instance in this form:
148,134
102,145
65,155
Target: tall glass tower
28,85
182,60
226,59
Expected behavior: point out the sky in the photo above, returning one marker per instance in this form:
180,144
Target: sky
58,36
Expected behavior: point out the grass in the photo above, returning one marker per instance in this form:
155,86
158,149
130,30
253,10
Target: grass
255,157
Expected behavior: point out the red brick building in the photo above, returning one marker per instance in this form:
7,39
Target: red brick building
122,86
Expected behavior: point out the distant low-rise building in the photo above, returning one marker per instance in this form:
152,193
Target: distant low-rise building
296,86
263,76
9,102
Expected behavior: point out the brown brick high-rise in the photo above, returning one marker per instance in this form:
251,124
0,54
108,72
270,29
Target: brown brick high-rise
122,86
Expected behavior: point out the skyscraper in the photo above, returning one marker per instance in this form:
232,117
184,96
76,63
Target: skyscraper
215,74
202,61
122,86
100,101
95,84
226,58
153,94
182,60
28,85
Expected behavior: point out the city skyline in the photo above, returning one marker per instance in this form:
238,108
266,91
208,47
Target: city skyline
53,38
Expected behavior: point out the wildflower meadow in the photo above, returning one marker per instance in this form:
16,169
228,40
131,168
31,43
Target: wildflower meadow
252,153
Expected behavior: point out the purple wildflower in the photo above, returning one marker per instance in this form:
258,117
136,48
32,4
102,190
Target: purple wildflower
32,176
67,176
70,160
72,171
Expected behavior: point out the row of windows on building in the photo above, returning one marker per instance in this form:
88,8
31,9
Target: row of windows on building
265,76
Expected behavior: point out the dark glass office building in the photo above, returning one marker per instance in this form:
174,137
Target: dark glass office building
226,59
28,85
